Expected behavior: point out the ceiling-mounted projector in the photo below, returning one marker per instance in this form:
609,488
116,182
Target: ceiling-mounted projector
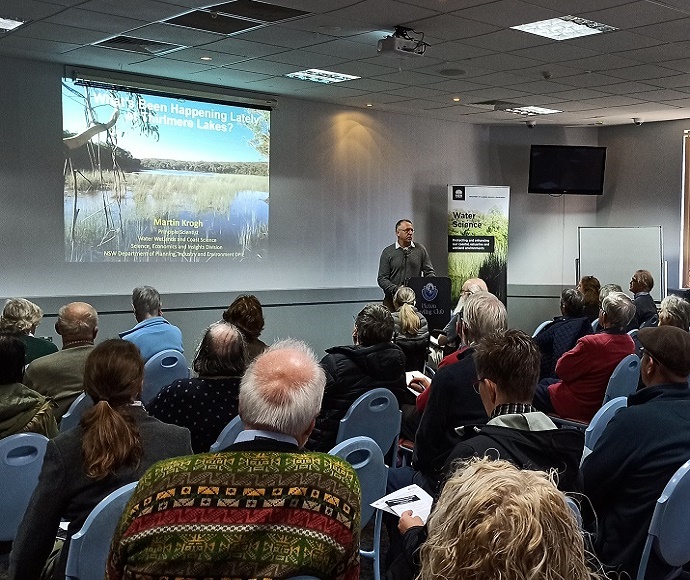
400,46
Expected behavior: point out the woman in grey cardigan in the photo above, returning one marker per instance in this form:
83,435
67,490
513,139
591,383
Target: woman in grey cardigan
114,444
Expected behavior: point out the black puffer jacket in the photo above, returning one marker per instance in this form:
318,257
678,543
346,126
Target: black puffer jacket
351,371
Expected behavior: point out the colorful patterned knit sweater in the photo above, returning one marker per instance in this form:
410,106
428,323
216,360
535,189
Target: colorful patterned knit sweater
240,515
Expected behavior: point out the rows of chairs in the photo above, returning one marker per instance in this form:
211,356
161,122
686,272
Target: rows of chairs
21,457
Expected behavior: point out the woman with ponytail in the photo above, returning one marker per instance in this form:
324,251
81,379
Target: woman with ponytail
114,444
409,323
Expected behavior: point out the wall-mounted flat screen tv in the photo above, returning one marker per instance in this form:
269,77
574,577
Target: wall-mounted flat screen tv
567,169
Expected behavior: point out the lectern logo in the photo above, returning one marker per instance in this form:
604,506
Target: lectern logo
429,292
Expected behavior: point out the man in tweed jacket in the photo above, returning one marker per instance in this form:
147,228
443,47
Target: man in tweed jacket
263,508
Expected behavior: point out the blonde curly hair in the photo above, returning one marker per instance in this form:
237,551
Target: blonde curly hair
495,521
20,315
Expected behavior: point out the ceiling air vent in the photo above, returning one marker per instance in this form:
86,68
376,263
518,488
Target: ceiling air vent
138,45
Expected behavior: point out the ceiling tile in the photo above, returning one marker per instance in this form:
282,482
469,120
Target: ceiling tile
448,27
303,59
507,13
681,65
504,62
577,94
164,67
617,41
408,78
261,66
58,33
633,14
374,85
281,36
507,40
29,10
457,86
494,93
659,53
674,31
629,88
36,45
384,12
576,8
555,52
456,51
174,34
642,72
94,21
344,49
601,62
673,82
149,10
660,95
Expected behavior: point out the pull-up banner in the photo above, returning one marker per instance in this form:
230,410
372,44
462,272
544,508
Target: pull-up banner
478,236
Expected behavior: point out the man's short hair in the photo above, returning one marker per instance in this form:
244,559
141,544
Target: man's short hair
374,325
20,315
572,302
146,301
511,359
606,289
221,353
282,389
77,319
644,278
12,352
402,221
483,314
674,311
619,310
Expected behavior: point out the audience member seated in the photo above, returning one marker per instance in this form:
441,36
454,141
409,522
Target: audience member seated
585,370
674,311
449,337
641,448
589,287
372,362
561,335
21,409
508,365
207,403
264,508
411,329
114,444
450,398
152,333
496,521
60,375
246,314
641,285
23,317
408,321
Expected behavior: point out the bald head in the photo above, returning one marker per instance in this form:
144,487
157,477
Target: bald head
77,321
473,285
221,353
282,390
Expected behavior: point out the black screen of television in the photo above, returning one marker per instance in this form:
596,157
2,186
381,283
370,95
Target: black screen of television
559,169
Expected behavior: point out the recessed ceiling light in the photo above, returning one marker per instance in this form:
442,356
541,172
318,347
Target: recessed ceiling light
564,27
531,111
206,58
370,104
456,99
321,76
7,24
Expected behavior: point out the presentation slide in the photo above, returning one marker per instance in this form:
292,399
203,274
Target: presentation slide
151,178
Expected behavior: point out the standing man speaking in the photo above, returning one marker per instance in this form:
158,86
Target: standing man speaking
401,261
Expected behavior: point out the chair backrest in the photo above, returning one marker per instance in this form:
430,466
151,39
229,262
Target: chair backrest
624,379
161,370
73,415
375,414
89,547
21,459
366,458
541,327
415,350
595,325
228,435
601,419
633,333
575,508
670,525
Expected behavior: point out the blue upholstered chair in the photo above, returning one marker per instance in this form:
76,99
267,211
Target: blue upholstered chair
161,370
670,526
21,459
375,414
89,547
366,458
624,379
601,419
541,327
228,435
73,415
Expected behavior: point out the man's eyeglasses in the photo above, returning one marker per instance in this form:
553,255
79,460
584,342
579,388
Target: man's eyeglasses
477,383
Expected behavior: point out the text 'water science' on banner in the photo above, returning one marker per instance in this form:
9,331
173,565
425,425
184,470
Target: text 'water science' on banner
478,236
162,178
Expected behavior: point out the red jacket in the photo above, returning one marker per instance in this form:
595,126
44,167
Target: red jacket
585,371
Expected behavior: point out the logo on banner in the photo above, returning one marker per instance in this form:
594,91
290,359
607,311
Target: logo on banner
429,292
458,193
